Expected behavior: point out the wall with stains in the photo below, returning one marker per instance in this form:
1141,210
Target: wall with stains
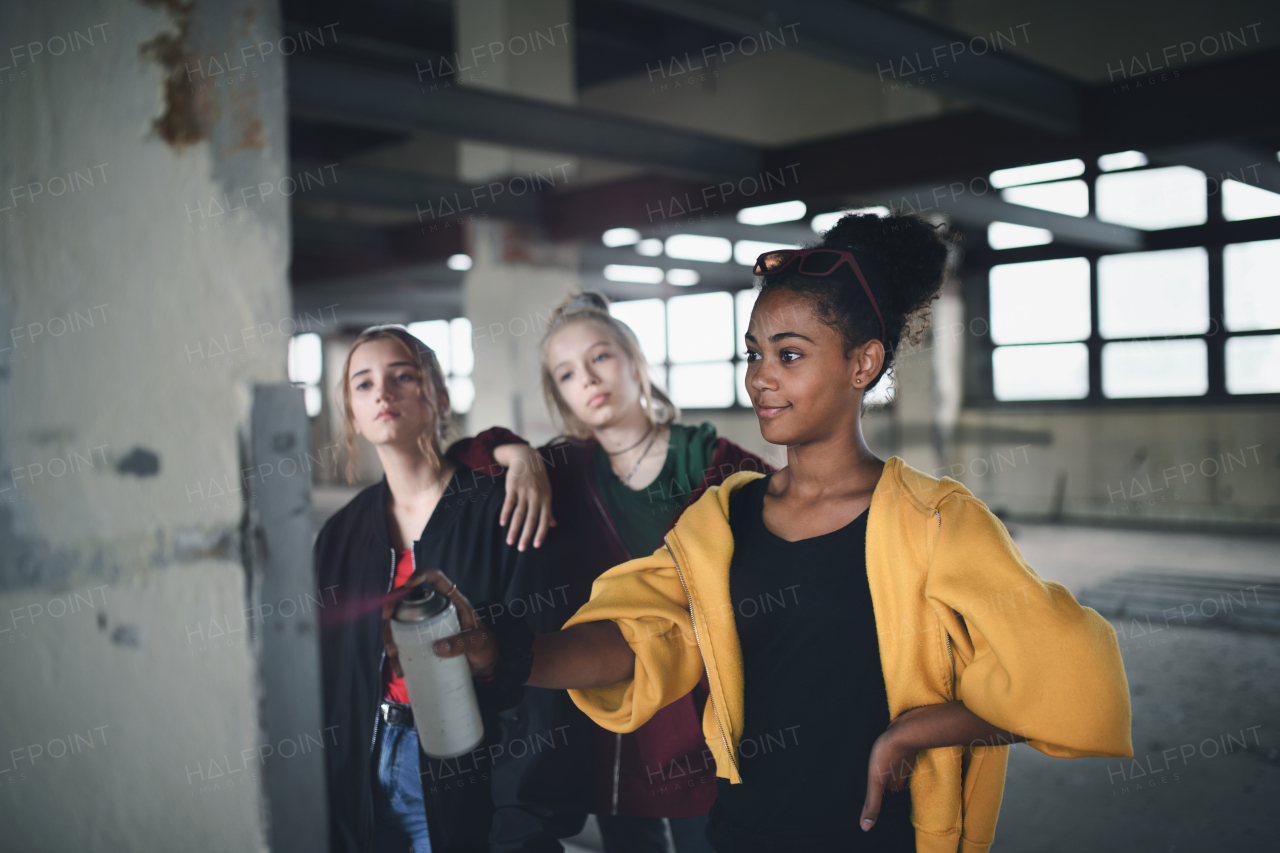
143,249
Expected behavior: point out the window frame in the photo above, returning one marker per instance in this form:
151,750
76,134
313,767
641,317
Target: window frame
1213,236
665,295
451,373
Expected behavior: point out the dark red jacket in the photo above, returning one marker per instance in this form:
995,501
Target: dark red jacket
663,769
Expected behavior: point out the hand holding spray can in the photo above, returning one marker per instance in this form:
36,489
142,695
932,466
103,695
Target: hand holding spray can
445,712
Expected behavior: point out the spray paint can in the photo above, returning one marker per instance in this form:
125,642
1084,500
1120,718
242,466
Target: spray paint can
445,712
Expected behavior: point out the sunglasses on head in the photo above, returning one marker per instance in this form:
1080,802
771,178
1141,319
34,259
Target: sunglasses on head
817,262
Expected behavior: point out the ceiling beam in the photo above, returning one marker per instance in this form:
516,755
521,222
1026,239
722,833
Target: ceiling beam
594,259
407,295
982,209
1190,104
393,99
328,236
730,228
968,146
326,249
429,196
957,147
1222,161
954,146
895,45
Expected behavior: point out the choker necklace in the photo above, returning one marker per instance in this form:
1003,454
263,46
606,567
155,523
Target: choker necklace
632,447
643,454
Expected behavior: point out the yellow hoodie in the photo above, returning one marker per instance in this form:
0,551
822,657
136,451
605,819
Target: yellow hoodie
959,613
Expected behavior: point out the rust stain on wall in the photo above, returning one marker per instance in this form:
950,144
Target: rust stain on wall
248,131
186,118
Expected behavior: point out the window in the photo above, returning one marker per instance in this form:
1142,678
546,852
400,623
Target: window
1253,364
1121,160
1251,302
306,366
630,272
1036,173
1153,293
1069,197
700,328
1007,235
694,345
1153,199
1184,321
1251,278
1041,185
1040,302
1242,201
451,342
1037,308
708,385
696,247
768,214
1053,372
647,318
700,347
1176,368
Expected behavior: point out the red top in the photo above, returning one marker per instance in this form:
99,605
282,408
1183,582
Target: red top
393,685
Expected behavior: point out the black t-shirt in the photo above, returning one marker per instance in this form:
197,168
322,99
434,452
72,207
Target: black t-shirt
815,698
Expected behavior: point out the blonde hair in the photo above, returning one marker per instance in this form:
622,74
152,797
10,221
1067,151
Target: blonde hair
431,386
590,306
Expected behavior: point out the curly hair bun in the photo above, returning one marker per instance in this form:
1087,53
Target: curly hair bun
904,259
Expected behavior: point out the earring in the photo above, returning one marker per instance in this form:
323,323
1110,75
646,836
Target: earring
857,382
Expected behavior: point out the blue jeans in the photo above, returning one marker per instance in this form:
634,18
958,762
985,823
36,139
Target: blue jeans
399,814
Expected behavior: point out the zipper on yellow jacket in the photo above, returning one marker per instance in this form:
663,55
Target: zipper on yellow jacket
693,620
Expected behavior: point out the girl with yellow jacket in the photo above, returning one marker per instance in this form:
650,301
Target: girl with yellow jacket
863,626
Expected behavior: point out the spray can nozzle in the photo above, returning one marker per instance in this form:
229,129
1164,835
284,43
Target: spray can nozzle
420,604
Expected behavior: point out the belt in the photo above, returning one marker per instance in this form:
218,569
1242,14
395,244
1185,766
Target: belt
395,713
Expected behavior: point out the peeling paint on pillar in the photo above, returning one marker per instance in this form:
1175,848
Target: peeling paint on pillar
139,463
187,116
157,283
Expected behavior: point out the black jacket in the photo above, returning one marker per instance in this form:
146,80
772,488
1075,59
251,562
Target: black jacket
463,538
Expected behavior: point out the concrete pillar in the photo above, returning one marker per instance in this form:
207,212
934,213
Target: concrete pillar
947,333
142,295
525,48
509,301
913,408
517,278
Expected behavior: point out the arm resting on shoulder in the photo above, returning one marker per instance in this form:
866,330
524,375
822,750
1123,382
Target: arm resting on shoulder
527,505
480,452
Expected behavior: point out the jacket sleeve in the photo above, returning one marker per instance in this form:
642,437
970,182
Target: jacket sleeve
477,452
647,600
1029,658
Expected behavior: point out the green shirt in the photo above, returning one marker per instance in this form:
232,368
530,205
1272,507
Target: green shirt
642,515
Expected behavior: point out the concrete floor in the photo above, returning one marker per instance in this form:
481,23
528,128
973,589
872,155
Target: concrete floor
1198,693
1191,687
